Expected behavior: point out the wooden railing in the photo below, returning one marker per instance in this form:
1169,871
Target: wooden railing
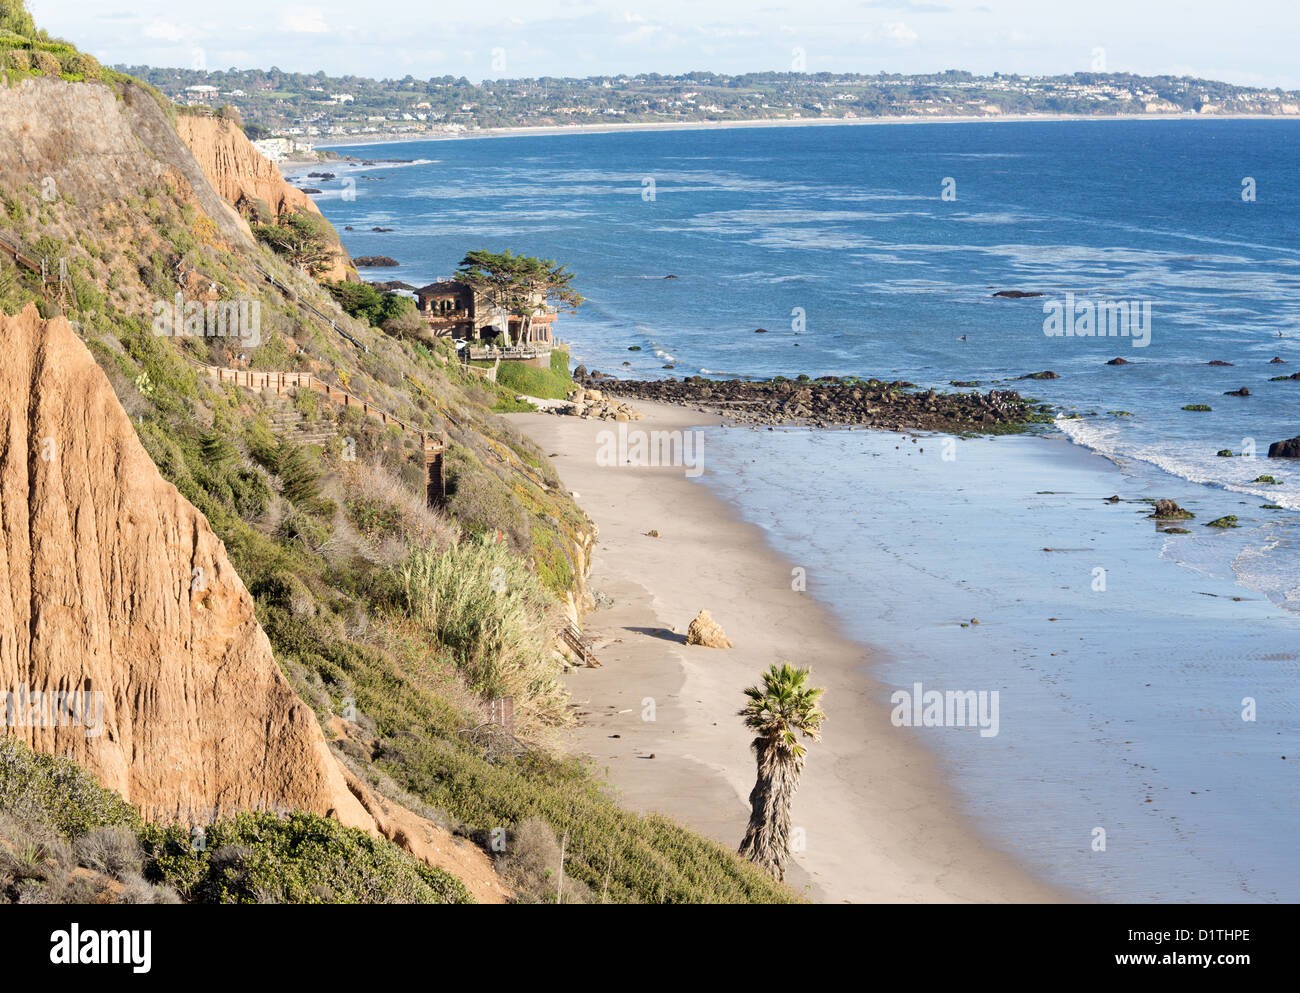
472,354
254,379
573,638
289,292
38,264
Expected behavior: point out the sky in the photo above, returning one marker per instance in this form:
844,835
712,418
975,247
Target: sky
1252,43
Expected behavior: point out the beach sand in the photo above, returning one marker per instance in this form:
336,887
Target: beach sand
873,804
336,141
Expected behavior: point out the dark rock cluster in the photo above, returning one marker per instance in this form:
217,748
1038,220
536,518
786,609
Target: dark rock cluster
834,401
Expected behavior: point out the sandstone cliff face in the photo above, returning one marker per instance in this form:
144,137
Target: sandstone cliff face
127,641
112,584
244,176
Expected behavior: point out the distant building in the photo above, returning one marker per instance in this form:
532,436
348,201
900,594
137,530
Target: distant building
279,149
200,94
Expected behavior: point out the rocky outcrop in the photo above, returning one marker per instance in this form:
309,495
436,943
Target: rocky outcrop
1289,449
594,405
830,400
114,588
248,180
1168,510
704,630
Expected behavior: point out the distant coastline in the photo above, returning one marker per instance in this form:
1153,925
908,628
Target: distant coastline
568,129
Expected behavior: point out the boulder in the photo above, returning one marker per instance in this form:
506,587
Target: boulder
1289,449
1167,510
704,630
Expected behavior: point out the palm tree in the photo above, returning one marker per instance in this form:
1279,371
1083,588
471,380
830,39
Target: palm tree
784,707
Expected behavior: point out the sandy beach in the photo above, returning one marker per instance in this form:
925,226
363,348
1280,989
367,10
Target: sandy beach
873,805
782,122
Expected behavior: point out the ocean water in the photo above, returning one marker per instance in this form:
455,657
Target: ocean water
1121,706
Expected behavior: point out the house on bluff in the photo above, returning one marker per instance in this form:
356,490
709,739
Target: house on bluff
453,309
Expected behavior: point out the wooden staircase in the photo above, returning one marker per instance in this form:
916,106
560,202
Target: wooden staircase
432,444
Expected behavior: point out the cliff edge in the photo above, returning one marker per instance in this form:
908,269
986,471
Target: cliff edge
248,180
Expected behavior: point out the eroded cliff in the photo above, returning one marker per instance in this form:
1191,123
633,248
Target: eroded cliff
248,180
128,643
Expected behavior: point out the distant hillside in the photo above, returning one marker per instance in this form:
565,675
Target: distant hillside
316,105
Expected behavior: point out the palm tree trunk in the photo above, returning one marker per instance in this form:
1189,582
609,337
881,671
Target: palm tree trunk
767,838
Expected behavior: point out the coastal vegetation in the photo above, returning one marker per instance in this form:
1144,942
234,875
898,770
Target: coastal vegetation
320,509
66,839
495,618
780,710
378,308
301,238
554,383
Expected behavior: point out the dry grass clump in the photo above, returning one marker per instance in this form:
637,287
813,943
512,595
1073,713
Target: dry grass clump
496,619
389,514
39,866
531,864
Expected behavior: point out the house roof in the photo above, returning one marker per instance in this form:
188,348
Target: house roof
443,286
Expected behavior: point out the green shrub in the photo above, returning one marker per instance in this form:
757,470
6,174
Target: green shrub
300,858
14,17
46,63
299,474
550,384
55,791
365,303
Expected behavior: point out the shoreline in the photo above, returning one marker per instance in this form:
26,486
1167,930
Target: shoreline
570,129
880,818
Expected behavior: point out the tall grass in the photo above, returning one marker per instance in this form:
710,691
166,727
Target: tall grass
496,619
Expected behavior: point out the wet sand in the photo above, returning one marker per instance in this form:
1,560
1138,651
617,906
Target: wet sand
877,816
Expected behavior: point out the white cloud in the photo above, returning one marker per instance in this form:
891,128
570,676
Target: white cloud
304,20
900,33
894,32
164,30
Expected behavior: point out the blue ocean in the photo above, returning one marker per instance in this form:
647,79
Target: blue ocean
1149,681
